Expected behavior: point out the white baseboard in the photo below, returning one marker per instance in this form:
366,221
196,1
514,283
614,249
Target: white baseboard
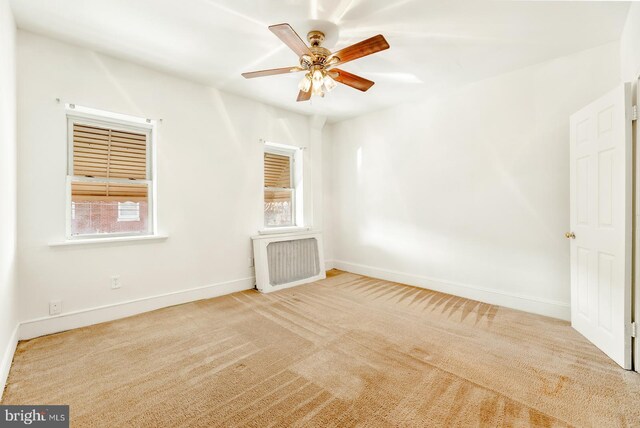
82,318
7,358
521,302
329,264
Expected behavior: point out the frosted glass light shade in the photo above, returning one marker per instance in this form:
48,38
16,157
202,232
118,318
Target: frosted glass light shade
317,89
329,83
317,76
305,83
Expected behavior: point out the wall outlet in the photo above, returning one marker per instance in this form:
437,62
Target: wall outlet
55,307
115,282
250,261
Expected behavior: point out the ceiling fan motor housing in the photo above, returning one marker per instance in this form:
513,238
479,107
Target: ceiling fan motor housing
315,38
321,54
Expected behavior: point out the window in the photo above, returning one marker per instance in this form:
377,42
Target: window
281,184
109,177
129,211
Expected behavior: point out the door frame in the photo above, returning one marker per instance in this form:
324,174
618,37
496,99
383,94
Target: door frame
635,289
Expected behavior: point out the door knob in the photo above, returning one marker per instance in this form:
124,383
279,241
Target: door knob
570,235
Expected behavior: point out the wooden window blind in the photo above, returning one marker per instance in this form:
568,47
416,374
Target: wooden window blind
90,191
105,153
277,175
277,170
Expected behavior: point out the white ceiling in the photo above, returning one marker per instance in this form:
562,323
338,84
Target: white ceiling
435,44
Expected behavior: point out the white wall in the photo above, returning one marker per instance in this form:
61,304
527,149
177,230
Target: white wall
209,182
469,192
328,199
8,287
630,45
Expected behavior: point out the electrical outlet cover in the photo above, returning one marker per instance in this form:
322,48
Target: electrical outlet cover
55,307
115,282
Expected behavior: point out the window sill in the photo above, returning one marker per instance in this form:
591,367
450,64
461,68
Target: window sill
112,240
277,230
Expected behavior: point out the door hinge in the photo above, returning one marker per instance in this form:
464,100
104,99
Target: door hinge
634,329
634,113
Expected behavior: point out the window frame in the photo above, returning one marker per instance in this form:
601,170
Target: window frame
292,153
106,120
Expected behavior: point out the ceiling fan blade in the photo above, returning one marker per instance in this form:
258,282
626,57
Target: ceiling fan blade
291,39
346,78
360,49
304,96
270,72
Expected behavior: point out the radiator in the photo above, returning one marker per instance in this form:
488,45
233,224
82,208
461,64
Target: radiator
287,260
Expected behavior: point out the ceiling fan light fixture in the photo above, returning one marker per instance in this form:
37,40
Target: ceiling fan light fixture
329,83
317,89
318,75
305,83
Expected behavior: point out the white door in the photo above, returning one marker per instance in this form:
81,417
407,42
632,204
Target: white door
601,223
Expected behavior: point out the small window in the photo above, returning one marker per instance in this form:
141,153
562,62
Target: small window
129,211
280,186
110,181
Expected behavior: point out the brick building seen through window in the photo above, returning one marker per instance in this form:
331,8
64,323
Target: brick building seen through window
108,217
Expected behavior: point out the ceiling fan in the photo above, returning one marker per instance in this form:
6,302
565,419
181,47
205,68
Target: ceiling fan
319,63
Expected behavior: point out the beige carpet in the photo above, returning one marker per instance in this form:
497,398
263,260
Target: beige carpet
346,351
